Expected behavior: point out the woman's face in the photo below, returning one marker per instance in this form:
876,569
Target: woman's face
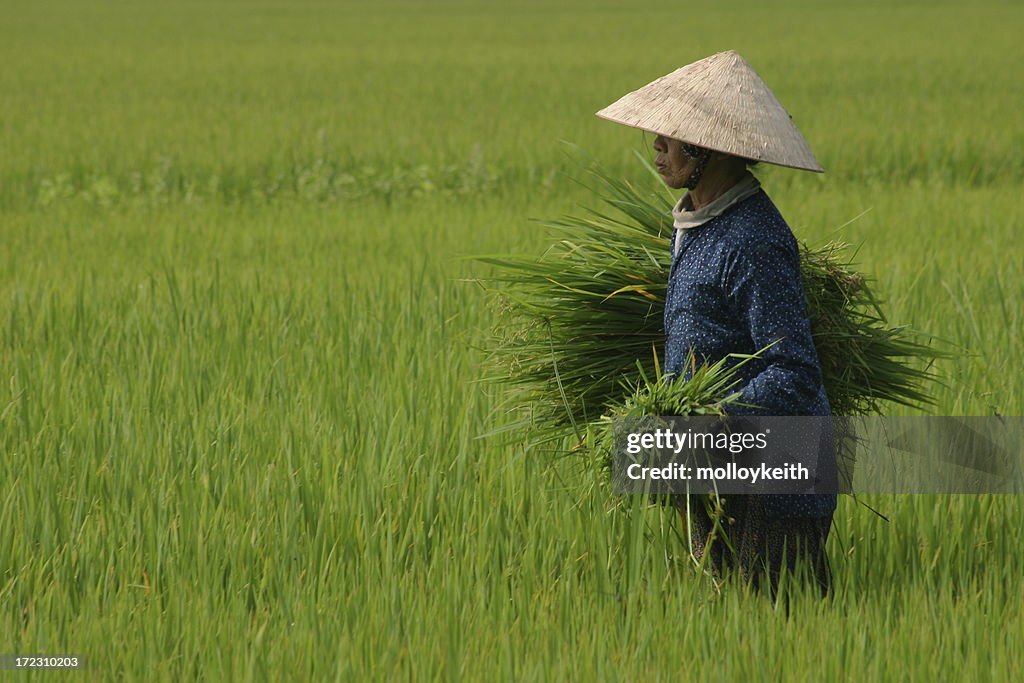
674,166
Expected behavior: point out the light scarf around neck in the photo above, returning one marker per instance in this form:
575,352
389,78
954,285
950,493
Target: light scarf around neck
684,217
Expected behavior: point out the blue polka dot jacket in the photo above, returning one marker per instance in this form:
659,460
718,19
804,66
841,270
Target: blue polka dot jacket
735,287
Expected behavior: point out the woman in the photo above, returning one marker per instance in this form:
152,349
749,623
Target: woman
735,287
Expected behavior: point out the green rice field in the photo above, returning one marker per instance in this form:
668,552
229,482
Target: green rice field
242,432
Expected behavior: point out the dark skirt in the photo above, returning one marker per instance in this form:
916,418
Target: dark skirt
760,547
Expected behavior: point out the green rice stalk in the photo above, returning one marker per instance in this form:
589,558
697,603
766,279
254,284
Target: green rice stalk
587,316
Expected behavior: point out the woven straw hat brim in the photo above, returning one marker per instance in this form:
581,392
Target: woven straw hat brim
719,103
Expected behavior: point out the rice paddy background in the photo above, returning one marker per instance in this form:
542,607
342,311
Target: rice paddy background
239,410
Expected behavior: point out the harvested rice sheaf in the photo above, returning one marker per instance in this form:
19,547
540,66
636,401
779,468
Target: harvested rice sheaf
581,327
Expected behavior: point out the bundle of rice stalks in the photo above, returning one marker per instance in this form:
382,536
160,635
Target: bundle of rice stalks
708,390
587,316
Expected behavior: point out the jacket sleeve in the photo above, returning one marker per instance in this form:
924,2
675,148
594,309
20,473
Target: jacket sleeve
764,286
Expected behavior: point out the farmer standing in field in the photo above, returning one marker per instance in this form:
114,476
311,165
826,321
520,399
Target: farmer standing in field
735,287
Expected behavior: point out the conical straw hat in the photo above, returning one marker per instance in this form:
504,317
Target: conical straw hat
718,103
